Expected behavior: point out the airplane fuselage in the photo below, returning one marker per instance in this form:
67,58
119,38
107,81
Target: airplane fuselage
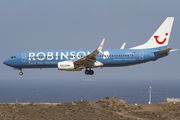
109,58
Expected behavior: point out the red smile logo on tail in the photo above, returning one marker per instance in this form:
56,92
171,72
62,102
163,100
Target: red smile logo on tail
156,37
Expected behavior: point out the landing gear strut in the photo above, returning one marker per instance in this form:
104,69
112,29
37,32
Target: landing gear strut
89,72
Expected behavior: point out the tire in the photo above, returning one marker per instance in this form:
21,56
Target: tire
87,72
91,72
21,73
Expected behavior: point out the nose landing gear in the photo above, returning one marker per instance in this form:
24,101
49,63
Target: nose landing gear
89,72
20,73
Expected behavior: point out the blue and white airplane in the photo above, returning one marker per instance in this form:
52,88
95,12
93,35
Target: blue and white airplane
76,60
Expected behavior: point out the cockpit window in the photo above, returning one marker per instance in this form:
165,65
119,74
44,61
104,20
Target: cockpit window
13,57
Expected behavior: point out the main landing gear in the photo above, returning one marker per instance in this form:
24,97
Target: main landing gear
89,72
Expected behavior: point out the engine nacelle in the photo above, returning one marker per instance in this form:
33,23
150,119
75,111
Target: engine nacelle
66,65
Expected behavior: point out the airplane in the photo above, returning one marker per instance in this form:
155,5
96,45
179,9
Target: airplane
76,60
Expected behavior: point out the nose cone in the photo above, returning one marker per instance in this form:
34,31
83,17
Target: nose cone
6,62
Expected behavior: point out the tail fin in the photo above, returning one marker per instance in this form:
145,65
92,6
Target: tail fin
160,38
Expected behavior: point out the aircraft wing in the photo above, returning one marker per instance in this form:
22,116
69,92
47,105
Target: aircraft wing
90,59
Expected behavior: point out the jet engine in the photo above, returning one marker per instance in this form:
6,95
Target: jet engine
67,66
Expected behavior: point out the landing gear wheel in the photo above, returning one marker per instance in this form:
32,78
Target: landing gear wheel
86,72
20,73
91,72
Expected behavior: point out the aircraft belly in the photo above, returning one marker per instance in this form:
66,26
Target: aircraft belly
41,66
120,63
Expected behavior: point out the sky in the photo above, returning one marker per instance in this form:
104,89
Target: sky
67,24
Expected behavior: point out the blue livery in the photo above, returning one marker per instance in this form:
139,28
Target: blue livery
76,60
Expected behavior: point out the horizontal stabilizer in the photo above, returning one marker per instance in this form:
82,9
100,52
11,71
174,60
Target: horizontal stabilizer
173,50
163,51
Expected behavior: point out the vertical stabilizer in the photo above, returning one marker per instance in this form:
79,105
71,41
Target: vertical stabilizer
160,38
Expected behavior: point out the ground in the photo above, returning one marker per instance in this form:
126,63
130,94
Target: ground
104,109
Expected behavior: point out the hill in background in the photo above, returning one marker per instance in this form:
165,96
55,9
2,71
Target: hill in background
104,109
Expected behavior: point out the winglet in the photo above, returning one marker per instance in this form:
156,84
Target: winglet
122,47
101,45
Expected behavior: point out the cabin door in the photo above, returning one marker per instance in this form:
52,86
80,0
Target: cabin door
141,55
23,57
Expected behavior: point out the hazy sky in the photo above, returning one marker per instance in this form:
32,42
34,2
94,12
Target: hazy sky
68,24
